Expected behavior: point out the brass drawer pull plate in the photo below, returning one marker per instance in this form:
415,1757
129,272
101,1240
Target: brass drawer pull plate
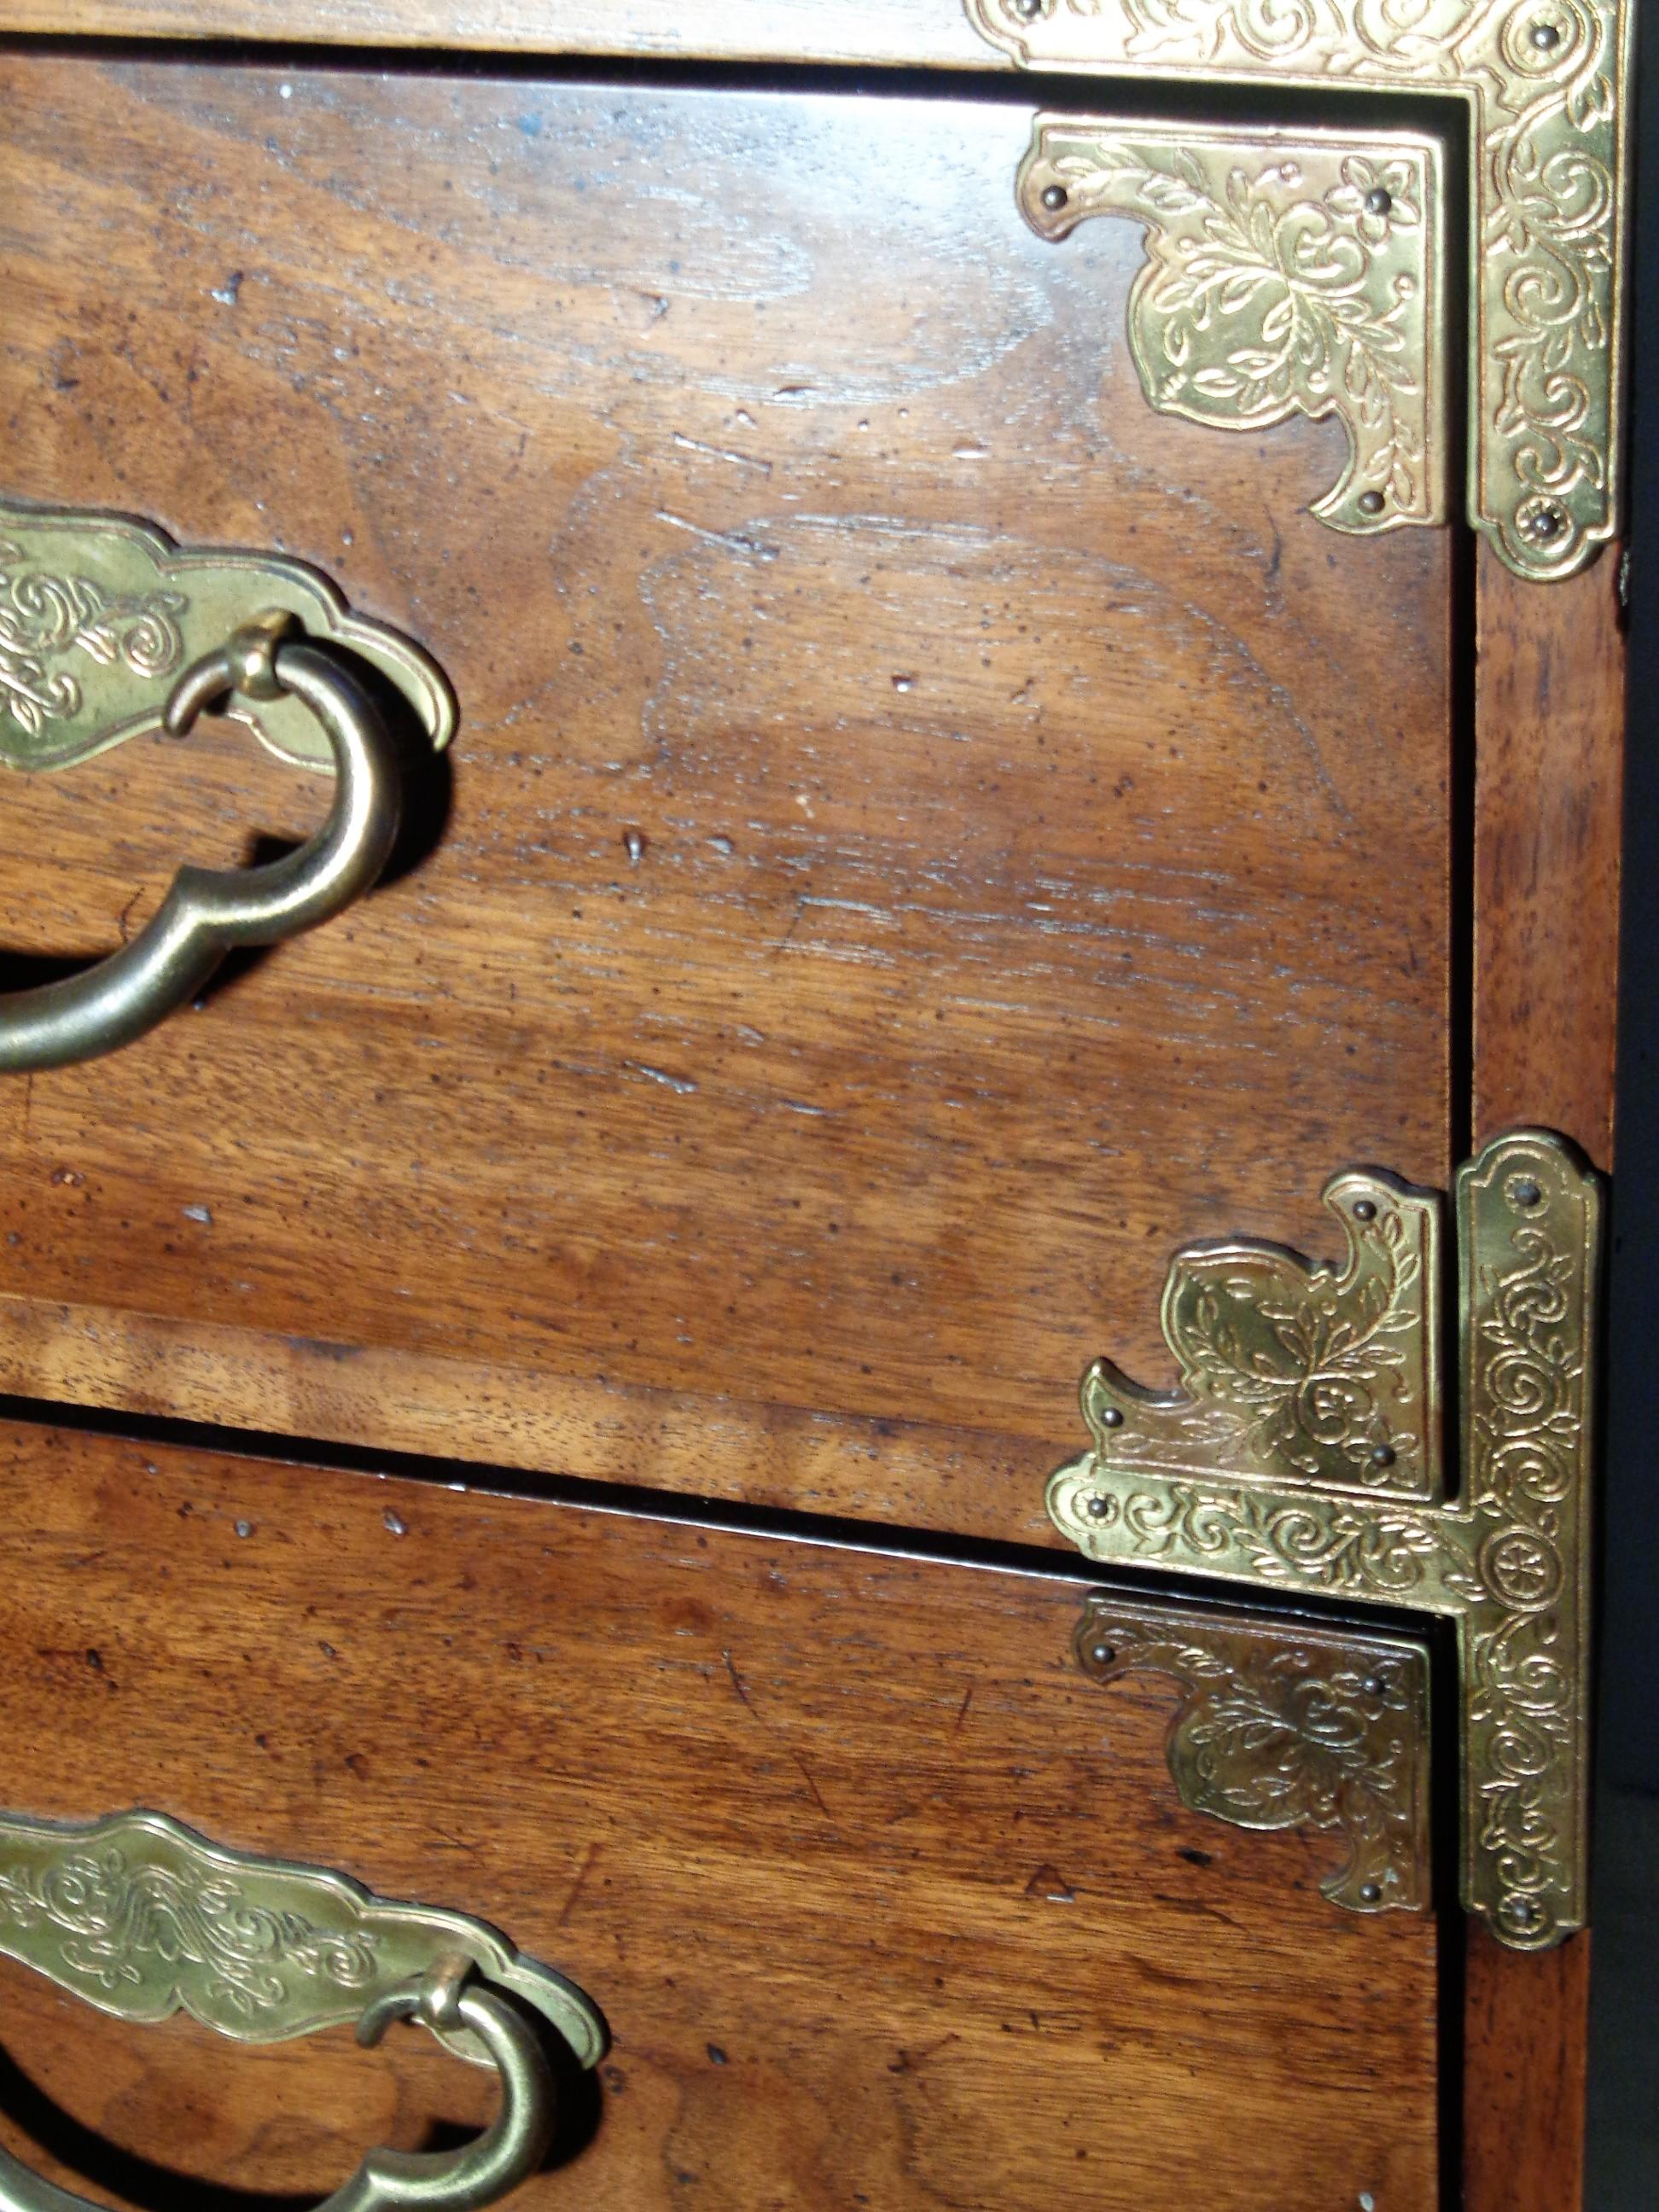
1547,86
1302,1454
143,1917
107,632
99,614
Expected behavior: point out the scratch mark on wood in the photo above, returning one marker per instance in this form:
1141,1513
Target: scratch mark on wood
732,541
722,453
907,2062
681,1083
582,1872
736,1683
813,1790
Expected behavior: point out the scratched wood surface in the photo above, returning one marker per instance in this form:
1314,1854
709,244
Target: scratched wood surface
929,835
882,1903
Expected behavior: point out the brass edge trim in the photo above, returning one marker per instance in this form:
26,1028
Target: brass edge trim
1548,86
1287,272
1285,1725
1248,1473
99,613
143,1917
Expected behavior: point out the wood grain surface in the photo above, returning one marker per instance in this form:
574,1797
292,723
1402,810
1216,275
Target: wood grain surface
883,1902
1549,732
929,835
930,32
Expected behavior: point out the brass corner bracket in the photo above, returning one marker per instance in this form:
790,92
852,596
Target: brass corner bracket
1546,86
1285,1725
1287,272
1303,1453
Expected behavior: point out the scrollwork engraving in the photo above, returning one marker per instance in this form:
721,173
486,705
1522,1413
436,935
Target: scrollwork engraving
113,1918
46,619
1290,1727
143,1917
1285,274
1547,84
99,613
1508,1561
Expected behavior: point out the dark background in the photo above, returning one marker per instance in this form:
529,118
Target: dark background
1624,2113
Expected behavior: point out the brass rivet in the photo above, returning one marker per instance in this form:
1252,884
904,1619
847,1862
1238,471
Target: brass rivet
1371,1892
1102,1655
1364,1209
1099,1508
1371,503
1027,10
1527,1192
1377,201
1054,197
1376,1687
1112,1418
1381,1455
1544,37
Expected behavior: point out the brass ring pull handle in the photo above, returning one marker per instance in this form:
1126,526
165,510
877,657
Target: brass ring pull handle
508,2151
207,912
143,1917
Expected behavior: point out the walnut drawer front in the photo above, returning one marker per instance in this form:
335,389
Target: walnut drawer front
927,834
882,1901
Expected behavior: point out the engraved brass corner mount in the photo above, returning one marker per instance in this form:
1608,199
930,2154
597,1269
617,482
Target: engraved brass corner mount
1302,1454
1300,291
1286,273
1290,1726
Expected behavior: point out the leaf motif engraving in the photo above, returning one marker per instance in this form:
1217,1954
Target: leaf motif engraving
112,1916
1283,1728
1544,83
1242,1473
1300,1372
1277,282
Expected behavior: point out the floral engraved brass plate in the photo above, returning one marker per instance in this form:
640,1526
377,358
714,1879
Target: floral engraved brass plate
1290,1726
1546,83
1190,1481
1288,273
143,1917
99,615
1298,1373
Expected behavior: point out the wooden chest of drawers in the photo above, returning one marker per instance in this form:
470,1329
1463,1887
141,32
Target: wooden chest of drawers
964,785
